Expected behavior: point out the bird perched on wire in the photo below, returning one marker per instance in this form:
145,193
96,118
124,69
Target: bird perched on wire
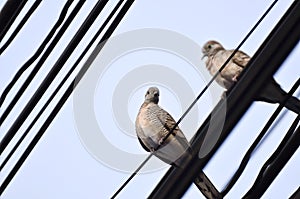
217,55
158,133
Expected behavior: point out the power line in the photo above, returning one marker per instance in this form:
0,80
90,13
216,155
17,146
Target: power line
67,93
205,88
21,24
132,176
52,74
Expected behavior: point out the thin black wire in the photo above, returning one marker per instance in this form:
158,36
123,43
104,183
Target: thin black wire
21,24
52,74
28,63
61,83
206,87
132,176
218,72
63,99
248,154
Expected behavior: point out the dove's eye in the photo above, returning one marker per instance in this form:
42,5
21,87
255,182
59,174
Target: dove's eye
156,95
148,93
209,46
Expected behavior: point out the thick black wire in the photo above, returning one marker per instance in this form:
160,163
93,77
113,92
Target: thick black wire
21,24
254,145
70,18
52,74
28,63
63,99
61,83
206,87
296,194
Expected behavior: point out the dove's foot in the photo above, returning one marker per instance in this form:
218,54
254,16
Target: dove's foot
235,78
161,141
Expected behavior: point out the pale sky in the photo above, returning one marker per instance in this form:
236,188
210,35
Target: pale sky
90,148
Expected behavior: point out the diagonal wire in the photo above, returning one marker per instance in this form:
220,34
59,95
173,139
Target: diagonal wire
60,84
64,98
204,90
248,154
132,176
296,194
27,64
219,71
21,24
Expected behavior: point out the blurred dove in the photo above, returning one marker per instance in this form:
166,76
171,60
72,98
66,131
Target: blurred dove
217,55
152,125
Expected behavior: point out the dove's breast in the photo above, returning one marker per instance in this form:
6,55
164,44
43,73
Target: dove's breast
150,123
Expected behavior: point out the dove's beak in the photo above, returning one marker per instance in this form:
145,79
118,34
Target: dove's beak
204,55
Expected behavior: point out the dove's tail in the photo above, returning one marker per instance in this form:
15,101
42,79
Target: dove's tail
206,187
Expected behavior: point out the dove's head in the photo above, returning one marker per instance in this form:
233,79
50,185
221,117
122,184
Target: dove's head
152,95
210,48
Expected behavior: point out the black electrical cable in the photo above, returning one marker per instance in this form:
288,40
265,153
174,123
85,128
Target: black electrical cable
21,24
249,153
60,84
132,176
52,74
28,63
64,98
8,14
207,85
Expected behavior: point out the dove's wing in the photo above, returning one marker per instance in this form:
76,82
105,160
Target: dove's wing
241,59
169,123
153,124
233,69
175,145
